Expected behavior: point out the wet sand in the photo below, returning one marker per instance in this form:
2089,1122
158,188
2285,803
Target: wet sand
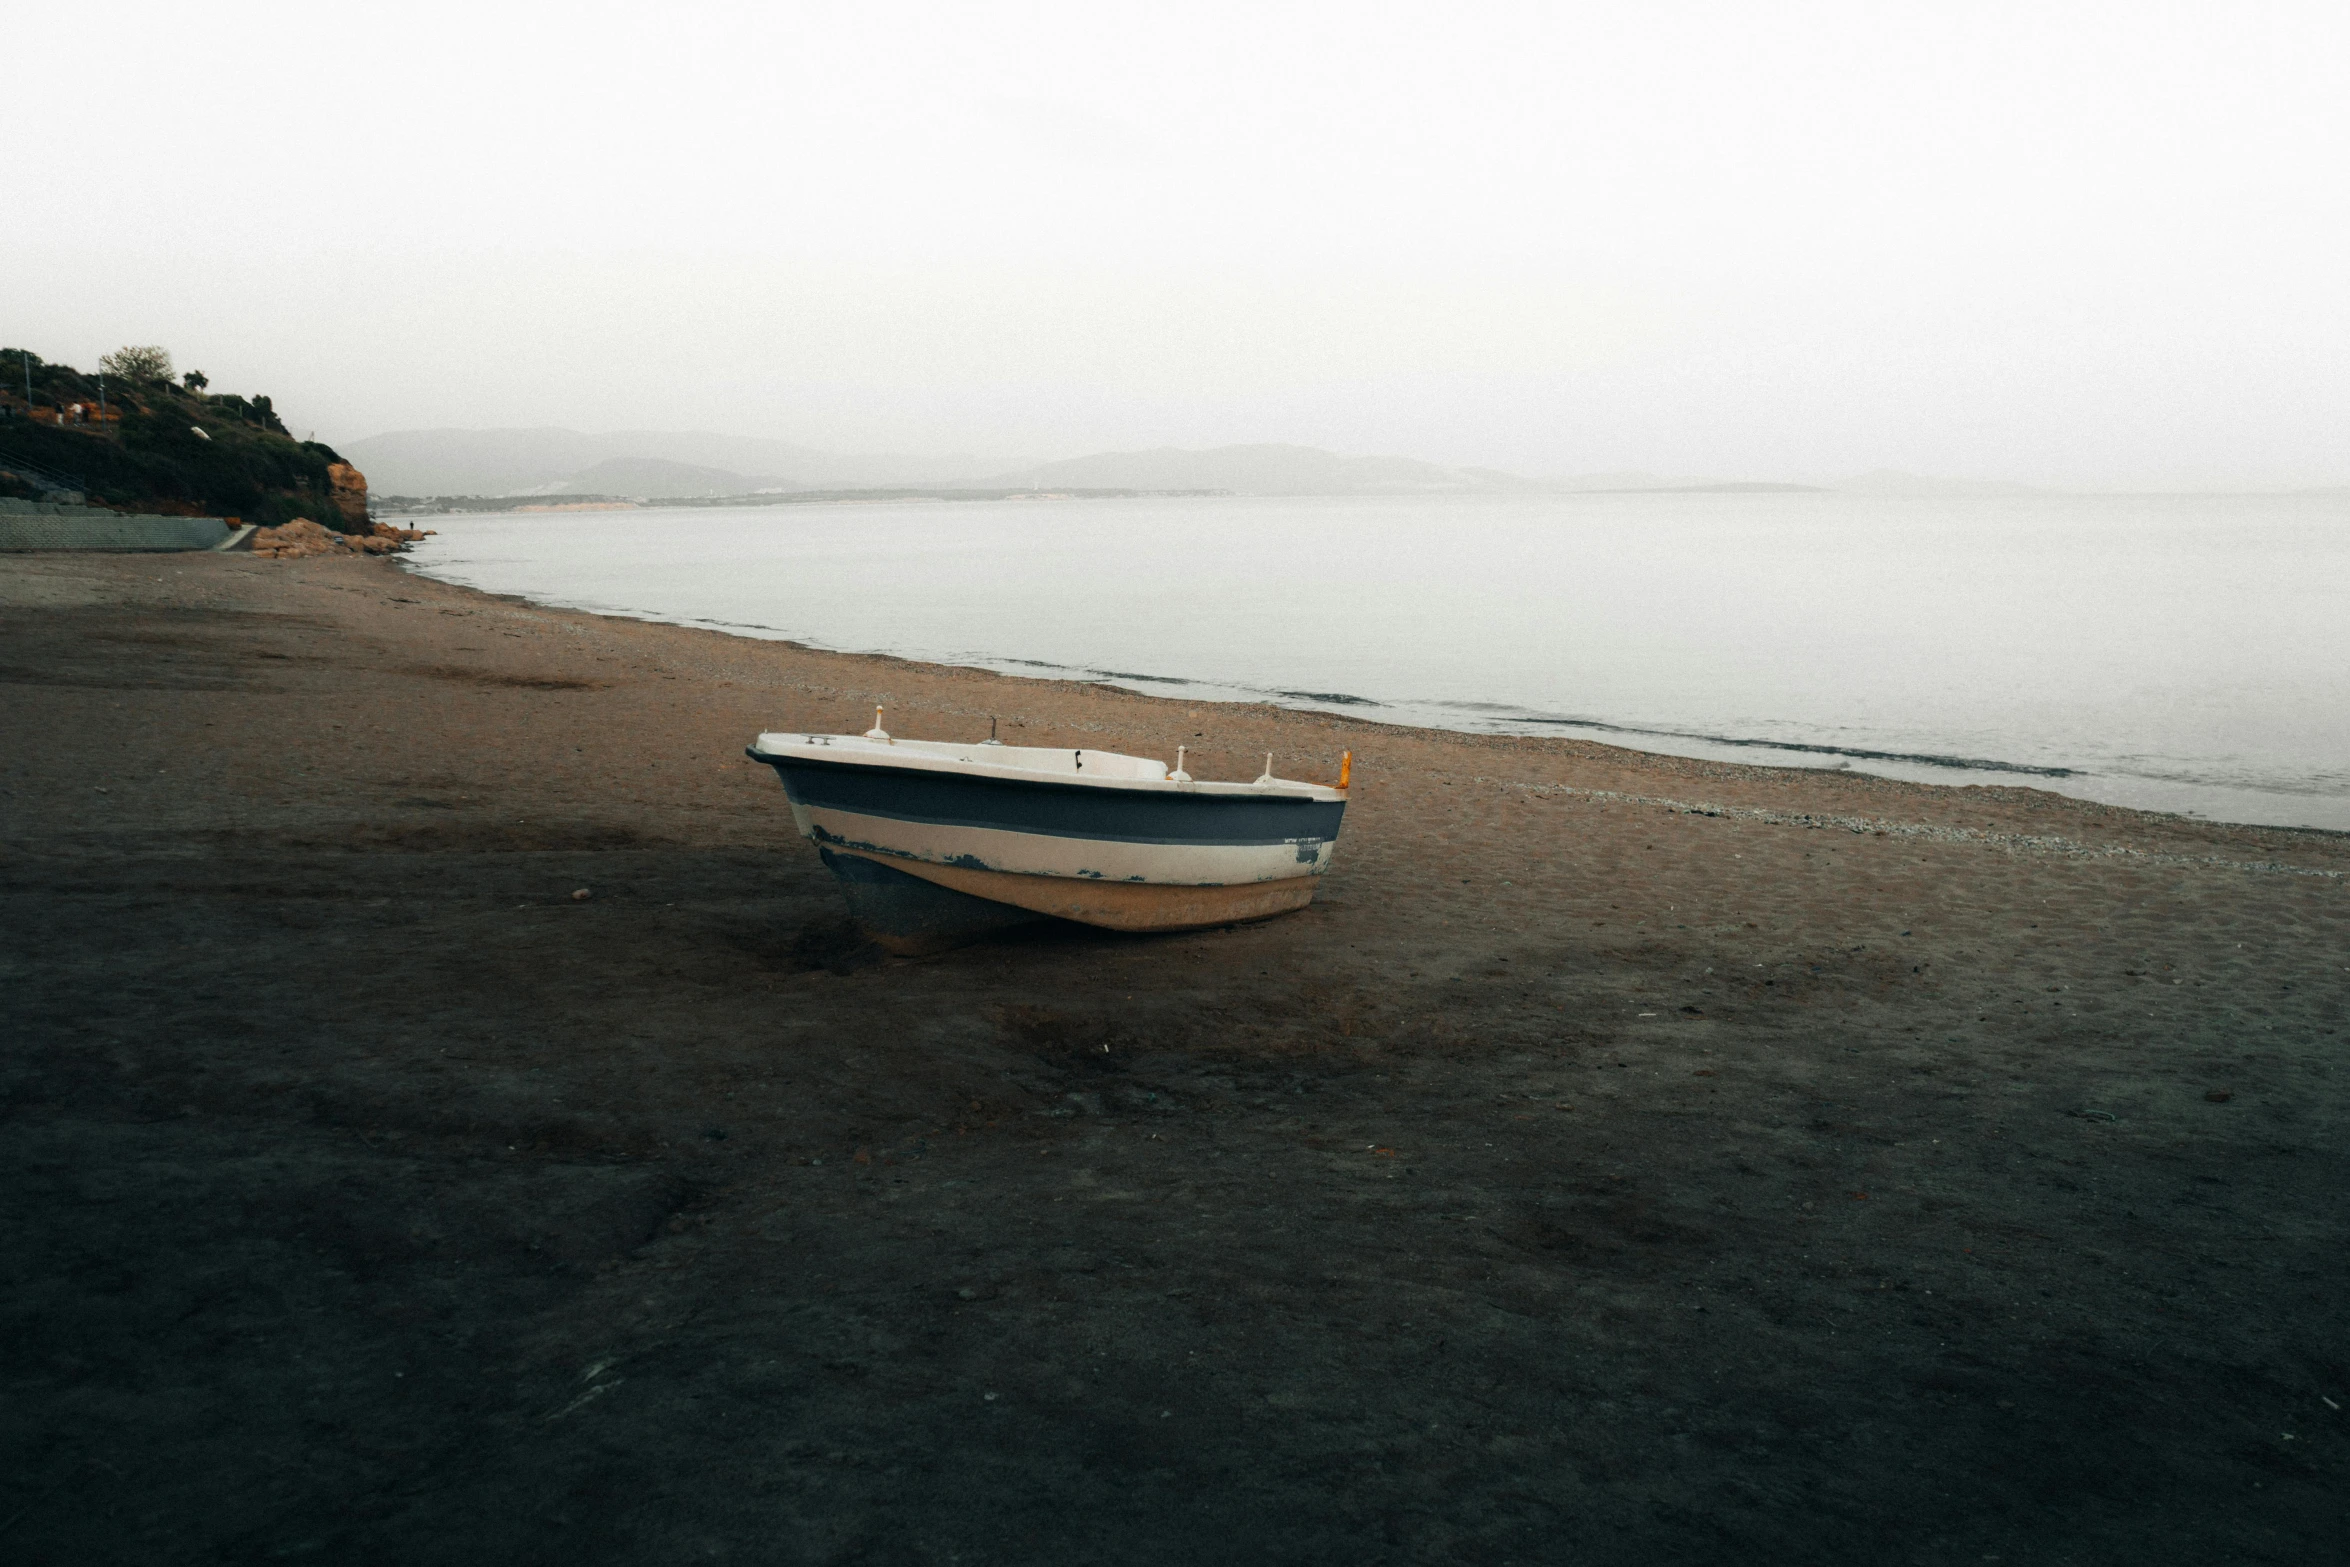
1626,1159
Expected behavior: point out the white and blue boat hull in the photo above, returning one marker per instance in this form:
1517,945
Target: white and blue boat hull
1122,845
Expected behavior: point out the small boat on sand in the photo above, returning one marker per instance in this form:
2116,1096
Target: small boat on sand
936,841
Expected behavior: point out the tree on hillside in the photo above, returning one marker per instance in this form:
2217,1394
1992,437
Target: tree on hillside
146,362
195,380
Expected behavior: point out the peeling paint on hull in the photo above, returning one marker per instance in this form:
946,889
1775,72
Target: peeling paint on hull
909,916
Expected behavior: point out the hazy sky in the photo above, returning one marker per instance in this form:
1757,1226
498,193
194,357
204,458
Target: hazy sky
2061,243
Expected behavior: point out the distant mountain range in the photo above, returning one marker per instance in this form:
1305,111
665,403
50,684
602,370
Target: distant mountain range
1260,470
652,464
696,465
660,478
1892,481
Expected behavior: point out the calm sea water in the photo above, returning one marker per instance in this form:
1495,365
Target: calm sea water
2182,653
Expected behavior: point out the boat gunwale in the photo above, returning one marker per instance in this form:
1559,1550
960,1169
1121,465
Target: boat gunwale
863,758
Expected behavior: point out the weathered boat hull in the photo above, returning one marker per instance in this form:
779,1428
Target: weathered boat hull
1149,857
1113,905
908,915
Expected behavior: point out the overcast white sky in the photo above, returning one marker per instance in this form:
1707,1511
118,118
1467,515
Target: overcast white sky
2080,244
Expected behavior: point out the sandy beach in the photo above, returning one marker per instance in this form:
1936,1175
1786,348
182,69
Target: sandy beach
1627,1159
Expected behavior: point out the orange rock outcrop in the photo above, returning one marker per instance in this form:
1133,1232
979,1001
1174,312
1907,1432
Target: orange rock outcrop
303,537
349,494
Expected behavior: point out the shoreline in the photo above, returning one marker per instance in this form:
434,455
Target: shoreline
1262,705
1626,1156
2282,793
1260,702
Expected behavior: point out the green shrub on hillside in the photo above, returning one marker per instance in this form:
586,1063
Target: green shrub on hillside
145,362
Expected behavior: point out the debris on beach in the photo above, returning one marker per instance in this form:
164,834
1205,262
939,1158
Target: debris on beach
302,537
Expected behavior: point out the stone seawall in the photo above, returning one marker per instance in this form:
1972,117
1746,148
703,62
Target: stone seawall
53,525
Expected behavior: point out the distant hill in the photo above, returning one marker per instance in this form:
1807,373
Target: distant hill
701,465
688,464
1892,481
1258,470
657,478
1609,483
165,445
551,460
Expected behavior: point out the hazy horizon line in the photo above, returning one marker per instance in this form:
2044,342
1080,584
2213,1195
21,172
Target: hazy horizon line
1636,478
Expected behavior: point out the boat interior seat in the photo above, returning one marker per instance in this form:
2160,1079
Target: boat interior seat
1026,758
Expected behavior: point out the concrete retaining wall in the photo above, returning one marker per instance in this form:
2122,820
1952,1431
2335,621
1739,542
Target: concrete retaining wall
48,525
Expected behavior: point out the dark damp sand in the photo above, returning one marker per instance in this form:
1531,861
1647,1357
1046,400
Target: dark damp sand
1578,1180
